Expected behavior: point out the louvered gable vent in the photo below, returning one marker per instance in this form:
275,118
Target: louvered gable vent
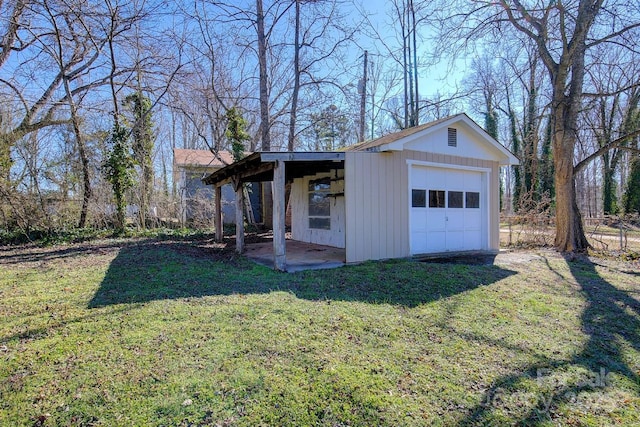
453,137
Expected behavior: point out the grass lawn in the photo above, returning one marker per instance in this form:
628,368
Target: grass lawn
150,332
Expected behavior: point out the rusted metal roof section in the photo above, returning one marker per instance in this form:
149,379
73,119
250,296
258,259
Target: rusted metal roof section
201,158
258,167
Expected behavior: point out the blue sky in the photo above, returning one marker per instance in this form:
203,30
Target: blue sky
438,78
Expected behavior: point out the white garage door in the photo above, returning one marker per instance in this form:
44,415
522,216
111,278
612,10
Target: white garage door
448,210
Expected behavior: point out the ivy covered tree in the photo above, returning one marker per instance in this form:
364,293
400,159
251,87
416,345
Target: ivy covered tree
546,167
118,169
142,147
491,126
491,123
632,193
236,133
516,148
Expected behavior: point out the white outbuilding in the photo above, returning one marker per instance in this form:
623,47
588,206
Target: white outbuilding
430,189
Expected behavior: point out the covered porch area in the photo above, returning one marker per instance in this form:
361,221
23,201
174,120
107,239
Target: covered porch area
279,168
299,255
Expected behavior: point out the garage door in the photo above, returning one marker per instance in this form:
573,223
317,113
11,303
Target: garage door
448,210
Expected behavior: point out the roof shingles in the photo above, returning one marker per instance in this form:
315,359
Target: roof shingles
201,158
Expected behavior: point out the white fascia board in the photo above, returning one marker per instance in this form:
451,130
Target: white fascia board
505,158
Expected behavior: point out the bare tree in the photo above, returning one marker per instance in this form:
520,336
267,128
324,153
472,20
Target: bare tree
39,111
320,36
613,99
265,121
562,33
72,34
406,19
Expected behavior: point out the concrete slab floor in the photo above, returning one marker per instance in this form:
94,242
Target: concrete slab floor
300,256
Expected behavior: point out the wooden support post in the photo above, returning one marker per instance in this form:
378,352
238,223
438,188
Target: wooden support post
239,217
219,229
279,212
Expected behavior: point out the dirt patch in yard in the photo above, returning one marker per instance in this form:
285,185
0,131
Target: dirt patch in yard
511,257
615,260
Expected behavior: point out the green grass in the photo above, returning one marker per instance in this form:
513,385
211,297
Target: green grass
151,332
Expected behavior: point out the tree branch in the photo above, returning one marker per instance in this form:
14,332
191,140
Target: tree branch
10,36
616,143
613,35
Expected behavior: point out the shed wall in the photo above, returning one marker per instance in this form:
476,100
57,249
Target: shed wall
299,202
377,201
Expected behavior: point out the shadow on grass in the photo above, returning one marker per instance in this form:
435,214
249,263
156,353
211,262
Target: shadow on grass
9,255
611,320
169,270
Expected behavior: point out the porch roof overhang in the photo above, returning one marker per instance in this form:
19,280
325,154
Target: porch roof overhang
259,166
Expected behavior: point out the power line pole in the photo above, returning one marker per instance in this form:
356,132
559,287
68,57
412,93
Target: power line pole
363,96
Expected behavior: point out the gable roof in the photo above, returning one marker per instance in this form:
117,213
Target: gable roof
395,141
201,158
392,137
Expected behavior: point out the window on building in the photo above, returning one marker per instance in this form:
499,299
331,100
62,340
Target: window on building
455,199
472,200
436,198
418,198
319,204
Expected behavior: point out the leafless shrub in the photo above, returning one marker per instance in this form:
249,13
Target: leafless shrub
24,212
531,226
200,211
611,232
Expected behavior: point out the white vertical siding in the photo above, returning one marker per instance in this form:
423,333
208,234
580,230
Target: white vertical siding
377,201
494,210
376,206
300,212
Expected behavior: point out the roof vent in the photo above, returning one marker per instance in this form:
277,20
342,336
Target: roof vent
452,137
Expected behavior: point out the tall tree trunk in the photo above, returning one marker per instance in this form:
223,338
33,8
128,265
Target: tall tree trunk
75,123
546,165
174,184
570,235
567,71
6,142
403,29
265,126
515,147
409,64
415,65
82,151
530,139
296,80
609,200
86,179
363,100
